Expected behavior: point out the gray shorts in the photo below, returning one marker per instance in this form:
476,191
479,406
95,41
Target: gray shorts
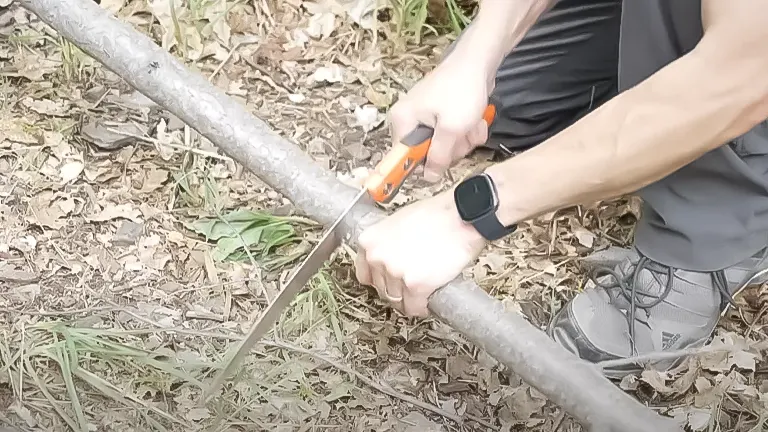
708,215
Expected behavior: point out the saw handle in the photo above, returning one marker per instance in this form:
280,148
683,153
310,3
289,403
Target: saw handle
390,174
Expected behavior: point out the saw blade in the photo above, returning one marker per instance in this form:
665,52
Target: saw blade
311,264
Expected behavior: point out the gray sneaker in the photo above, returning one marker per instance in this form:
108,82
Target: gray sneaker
637,306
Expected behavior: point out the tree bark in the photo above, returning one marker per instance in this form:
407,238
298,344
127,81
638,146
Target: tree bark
575,385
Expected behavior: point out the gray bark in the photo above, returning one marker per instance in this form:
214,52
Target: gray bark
575,385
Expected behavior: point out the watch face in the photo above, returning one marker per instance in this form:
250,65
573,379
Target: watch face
474,198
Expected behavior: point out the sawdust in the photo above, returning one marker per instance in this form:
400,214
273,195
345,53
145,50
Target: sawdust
125,280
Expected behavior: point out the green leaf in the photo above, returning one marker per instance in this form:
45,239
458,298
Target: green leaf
228,245
241,232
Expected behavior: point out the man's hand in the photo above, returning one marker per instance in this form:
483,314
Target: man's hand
416,250
451,99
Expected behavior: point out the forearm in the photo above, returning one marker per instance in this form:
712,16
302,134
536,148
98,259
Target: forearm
498,28
688,108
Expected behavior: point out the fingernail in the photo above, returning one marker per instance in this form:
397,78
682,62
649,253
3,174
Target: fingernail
431,176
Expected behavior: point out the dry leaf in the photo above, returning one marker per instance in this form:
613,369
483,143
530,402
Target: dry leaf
70,171
24,413
47,106
321,25
685,382
368,117
380,100
101,172
113,6
332,74
111,136
151,253
164,139
154,179
216,13
46,210
524,404
363,12
197,414
12,129
296,98
628,383
738,354
34,67
698,419
116,211
657,380
743,360
417,422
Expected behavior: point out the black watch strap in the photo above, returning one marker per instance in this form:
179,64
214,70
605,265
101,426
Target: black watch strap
491,228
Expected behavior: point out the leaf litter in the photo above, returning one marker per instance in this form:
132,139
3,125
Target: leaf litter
133,256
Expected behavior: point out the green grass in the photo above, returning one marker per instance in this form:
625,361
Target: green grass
314,307
58,357
73,373
412,18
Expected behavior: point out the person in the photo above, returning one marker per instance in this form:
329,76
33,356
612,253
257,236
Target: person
596,99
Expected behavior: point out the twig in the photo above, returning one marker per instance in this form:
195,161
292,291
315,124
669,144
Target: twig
57,313
11,427
228,57
18,277
204,316
171,145
558,421
655,356
759,315
384,389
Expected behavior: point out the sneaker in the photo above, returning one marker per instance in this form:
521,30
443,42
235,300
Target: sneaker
639,306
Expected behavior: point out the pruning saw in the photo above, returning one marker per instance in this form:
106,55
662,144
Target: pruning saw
382,185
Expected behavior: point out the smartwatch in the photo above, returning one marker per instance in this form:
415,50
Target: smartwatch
477,200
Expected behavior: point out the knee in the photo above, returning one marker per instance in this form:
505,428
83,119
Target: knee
529,114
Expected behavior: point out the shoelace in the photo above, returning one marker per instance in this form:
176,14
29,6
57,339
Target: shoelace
627,286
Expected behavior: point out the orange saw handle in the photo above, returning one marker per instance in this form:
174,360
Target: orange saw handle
390,174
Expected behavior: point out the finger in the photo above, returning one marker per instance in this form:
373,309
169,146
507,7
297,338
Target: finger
462,148
379,280
415,305
403,118
440,154
394,289
362,269
478,135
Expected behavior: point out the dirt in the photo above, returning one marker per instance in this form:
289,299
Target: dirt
124,287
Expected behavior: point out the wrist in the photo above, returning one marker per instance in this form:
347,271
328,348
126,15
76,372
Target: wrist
467,229
477,200
499,26
480,46
510,211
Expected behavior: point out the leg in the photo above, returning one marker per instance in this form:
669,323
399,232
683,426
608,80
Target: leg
714,212
564,67
704,230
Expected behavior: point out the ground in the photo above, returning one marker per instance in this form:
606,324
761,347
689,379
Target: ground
123,286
